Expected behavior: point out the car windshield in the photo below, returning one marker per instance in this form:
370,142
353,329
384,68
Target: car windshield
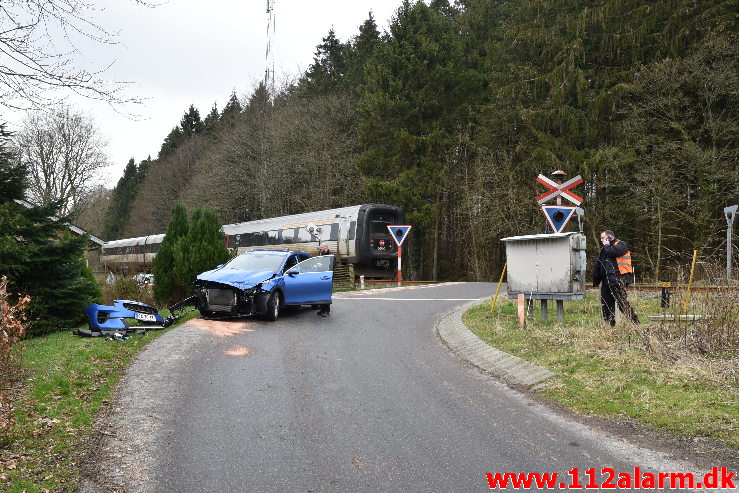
257,261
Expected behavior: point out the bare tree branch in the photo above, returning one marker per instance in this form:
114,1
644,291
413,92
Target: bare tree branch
39,50
64,152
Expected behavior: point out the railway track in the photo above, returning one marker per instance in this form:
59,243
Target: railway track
647,288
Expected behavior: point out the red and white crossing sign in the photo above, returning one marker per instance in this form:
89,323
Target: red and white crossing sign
559,190
399,232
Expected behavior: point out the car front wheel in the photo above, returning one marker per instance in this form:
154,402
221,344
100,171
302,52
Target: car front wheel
273,307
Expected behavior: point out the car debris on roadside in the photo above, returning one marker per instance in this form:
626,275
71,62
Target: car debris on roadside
124,317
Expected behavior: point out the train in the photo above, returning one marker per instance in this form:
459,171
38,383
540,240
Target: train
357,235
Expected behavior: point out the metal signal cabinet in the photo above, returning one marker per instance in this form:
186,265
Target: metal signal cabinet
546,266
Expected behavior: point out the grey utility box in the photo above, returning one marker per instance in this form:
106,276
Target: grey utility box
546,266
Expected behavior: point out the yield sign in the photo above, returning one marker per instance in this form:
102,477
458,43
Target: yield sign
558,215
559,189
399,232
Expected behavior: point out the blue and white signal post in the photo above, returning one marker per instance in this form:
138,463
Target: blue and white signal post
399,233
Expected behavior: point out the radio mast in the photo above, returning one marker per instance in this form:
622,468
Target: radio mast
269,89
269,71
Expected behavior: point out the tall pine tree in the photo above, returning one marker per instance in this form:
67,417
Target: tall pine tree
166,288
39,254
201,249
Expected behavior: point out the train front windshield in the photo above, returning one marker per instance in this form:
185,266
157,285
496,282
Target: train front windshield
379,224
380,240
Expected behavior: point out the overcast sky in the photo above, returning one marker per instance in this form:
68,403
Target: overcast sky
197,52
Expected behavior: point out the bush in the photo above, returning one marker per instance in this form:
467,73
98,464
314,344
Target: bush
12,328
125,288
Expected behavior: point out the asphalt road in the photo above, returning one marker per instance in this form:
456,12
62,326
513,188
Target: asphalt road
366,400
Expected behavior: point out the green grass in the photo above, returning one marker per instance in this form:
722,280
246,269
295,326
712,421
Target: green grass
69,381
622,372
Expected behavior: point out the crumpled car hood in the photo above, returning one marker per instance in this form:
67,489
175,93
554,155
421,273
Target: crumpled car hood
242,279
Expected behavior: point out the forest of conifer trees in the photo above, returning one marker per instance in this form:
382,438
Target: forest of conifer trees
453,112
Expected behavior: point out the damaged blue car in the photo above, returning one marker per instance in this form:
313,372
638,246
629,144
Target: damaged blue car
262,282
125,316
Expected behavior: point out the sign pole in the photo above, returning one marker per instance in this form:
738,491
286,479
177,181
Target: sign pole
730,213
399,233
400,273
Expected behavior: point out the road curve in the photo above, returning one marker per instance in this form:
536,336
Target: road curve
366,400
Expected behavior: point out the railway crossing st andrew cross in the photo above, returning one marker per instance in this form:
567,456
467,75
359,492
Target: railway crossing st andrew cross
558,216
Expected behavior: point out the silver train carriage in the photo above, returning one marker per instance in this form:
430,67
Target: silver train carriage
357,235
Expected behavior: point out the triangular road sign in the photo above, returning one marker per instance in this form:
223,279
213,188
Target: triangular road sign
398,232
558,215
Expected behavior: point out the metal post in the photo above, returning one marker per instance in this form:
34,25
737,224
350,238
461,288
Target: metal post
665,302
690,283
400,249
521,311
730,213
530,308
560,311
492,306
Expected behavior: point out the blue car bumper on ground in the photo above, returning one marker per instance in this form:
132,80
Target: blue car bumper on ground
125,316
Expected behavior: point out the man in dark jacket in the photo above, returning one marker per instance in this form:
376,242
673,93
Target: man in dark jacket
325,310
613,271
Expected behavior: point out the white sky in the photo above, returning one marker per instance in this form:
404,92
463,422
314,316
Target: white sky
197,52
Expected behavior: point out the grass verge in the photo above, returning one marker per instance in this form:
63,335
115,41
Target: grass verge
621,372
69,381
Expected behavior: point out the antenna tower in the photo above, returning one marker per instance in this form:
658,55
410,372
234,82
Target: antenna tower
269,72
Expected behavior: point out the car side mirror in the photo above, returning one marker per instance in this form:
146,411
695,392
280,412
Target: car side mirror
292,272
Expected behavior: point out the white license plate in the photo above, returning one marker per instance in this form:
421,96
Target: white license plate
146,317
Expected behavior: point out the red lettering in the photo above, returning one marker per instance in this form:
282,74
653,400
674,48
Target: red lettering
544,480
624,481
661,481
590,473
727,480
685,479
610,474
613,480
648,482
575,473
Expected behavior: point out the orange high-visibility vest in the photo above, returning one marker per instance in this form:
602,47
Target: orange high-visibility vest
624,263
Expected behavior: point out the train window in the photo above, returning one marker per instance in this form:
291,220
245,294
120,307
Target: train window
352,229
258,239
379,223
288,235
273,238
334,232
304,236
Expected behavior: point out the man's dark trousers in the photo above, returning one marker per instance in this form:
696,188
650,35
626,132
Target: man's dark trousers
612,292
